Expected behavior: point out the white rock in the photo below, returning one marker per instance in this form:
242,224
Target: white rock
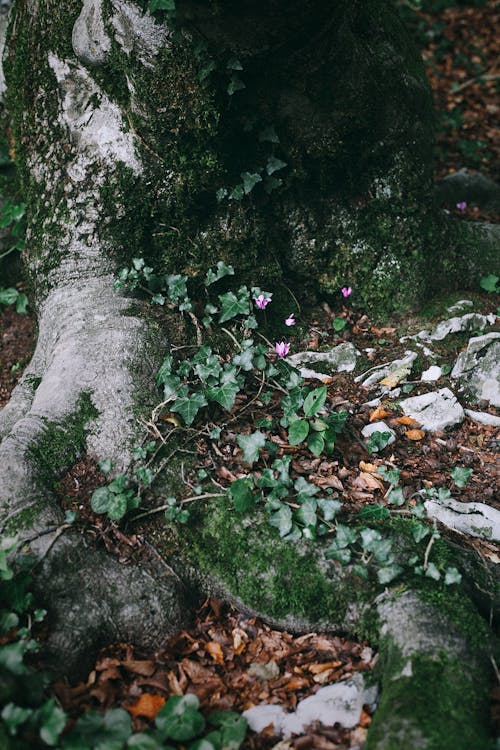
340,703
478,368
369,429
474,519
341,358
483,417
460,305
434,411
90,42
401,367
468,322
137,32
434,372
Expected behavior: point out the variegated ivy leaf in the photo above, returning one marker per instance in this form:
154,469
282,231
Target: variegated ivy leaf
189,406
224,394
232,305
250,445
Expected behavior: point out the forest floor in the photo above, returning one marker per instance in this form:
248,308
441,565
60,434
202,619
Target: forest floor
214,658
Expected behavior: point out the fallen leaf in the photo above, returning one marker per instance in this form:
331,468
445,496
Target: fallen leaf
370,468
142,667
147,705
415,434
368,481
408,421
215,651
380,412
317,668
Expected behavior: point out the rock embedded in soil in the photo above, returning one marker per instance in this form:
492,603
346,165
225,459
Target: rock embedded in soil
483,417
369,429
477,369
473,519
434,411
341,358
467,322
432,374
400,367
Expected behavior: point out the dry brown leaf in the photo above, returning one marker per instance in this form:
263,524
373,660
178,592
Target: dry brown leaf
147,705
317,668
328,482
379,413
408,421
368,482
415,434
143,667
215,651
370,468
240,639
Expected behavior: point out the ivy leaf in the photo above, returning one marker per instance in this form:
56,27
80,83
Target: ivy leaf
100,500
282,520
389,573
489,283
314,401
389,475
237,193
53,721
305,489
378,441
177,288
419,531
231,305
316,443
234,64
221,270
235,84
189,406
460,475
179,719
329,508
250,180
345,536
298,431
432,572
306,514
21,304
452,575
274,165
396,496
224,394
241,494
250,445
343,555
8,296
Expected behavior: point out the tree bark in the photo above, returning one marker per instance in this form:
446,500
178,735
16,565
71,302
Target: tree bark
123,141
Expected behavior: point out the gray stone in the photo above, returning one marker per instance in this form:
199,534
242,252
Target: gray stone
90,41
399,368
483,417
434,411
137,33
433,373
468,322
460,305
339,703
341,358
369,429
474,519
477,369
471,187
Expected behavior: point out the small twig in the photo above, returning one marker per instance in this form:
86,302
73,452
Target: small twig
495,668
428,549
8,252
232,337
252,400
199,334
160,508
485,78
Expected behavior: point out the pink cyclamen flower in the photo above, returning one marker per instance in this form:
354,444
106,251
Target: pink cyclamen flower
346,291
290,321
462,205
282,349
262,301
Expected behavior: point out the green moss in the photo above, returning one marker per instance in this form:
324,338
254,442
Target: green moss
268,574
62,443
447,704
26,518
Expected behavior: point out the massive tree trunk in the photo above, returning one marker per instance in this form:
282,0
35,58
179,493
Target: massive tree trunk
164,138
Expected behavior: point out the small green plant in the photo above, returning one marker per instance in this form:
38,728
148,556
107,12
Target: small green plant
378,440
490,283
12,296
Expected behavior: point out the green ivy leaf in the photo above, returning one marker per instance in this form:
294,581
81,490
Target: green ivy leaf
452,576
389,573
250,445
298,431
14,716
282,520
390,475
234,64
316,443
177,288
305,489
419,531
241,494
329,508
189,406
235,84
343,555
237,193
460,475
250,180
53,721
21,304
100,500
231,305
274,165
490,283
432,572
224,394
377,441
345,536
315,401
179,719
306,514
144,741
8,296
221,270
396,496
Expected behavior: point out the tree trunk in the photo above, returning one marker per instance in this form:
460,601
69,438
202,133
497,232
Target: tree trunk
292,140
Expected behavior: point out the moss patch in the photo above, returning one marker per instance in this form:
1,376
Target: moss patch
62,443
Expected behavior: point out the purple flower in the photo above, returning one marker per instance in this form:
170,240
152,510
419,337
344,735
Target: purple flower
290,321
462,205
346,291
262,301
282,349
